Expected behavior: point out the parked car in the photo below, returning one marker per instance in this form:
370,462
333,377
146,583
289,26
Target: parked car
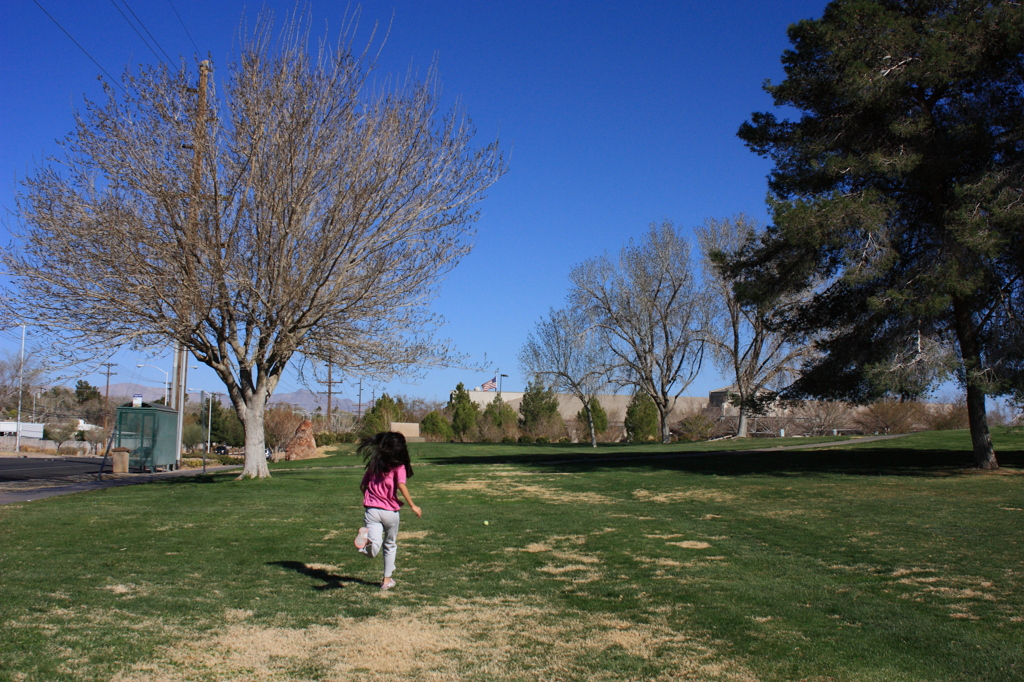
220,450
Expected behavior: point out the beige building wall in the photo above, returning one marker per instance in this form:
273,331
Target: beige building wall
407,429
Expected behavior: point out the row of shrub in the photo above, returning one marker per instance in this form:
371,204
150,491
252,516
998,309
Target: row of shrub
335,437
538,421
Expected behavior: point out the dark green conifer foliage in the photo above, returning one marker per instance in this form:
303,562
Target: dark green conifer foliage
598,413
379,417
435,424
900,188
642,420
84,392
463,410
225,426
500,413
539,405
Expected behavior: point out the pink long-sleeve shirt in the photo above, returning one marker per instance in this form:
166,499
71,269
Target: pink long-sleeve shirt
382,491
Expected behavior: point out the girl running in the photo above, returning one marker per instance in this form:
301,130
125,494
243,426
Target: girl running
387,468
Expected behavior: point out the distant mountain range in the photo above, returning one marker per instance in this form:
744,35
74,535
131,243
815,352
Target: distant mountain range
302,399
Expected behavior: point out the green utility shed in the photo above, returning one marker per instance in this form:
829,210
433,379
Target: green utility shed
149,432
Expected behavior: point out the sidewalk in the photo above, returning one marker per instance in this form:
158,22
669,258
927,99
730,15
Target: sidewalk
109,481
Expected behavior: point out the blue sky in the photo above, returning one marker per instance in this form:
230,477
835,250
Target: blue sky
613,114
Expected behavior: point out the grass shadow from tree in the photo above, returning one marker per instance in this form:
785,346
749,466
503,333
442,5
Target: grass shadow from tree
884,459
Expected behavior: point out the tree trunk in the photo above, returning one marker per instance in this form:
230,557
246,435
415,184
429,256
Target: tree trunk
981,439
590,420
970,355
666,435
255,448
741,430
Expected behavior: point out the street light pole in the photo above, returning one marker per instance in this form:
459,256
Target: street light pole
209,421
167,384
21,381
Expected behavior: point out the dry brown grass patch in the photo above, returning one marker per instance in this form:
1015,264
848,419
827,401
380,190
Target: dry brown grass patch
413,534
506,486
781,513
128,591
695,494
493,639
690,544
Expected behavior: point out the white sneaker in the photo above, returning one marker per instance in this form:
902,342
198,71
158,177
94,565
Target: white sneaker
362,537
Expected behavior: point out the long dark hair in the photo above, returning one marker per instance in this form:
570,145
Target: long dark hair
385,451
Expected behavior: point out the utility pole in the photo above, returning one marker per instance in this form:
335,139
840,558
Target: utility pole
195,197
359,409
330,392
106,395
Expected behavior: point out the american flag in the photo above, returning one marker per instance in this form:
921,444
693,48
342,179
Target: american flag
491,385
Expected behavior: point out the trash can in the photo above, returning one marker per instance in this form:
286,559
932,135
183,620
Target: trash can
120,460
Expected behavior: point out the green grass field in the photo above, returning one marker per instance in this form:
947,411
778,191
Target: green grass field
873,561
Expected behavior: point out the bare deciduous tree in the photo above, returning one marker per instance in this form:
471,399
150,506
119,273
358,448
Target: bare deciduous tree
18,375
279,423
96,438
950,413
193,435
889,416
61,432
742,341
650,313
568,353
821,417
304,212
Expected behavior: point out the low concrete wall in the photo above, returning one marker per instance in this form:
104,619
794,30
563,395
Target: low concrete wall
8,443
410,430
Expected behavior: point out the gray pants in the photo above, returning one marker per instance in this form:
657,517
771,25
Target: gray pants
383,527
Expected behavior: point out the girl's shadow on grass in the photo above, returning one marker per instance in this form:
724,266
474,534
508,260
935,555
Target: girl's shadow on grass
331,581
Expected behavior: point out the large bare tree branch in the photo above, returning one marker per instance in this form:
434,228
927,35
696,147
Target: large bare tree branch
324,214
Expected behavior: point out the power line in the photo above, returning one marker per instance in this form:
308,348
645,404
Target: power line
141,37
183,25
155,42
111,78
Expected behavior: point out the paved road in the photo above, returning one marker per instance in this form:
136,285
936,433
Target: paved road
80,486
29,468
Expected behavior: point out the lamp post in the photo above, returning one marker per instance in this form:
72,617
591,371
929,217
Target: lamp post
21,383
167,383
209,421
500,377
